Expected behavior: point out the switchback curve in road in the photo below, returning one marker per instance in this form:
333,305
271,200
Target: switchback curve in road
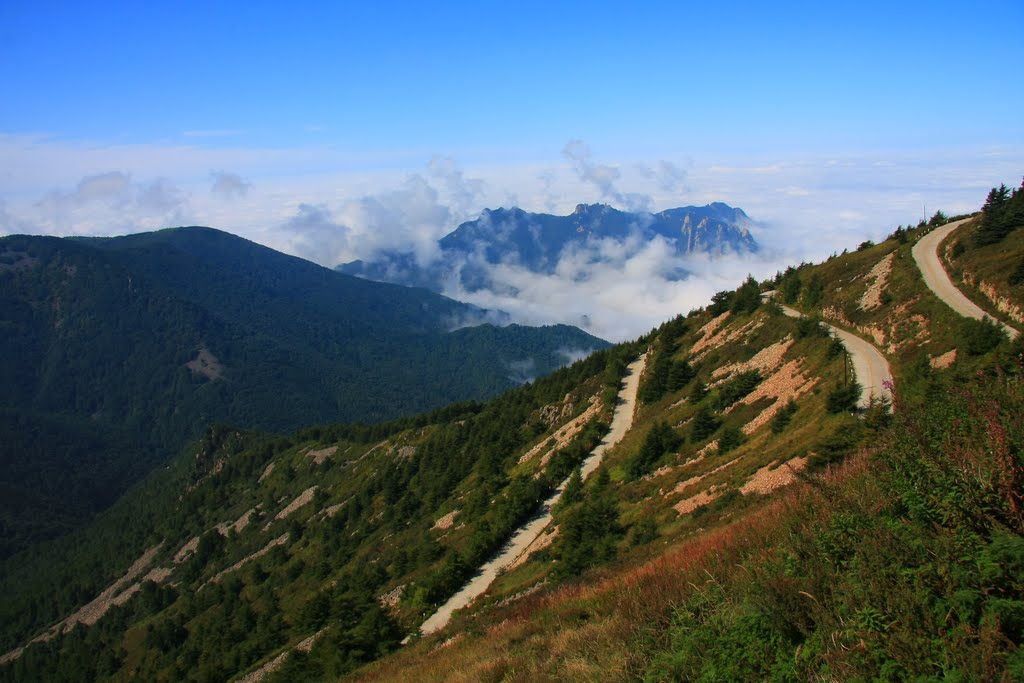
622,420
926,254
869,365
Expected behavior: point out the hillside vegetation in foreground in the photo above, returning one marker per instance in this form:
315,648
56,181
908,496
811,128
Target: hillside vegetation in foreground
754,524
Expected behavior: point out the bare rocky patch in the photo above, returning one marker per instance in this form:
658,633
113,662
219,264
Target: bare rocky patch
277,662
280,540
186,550
764,361
391,599
769,478
116,594
446,521
565,434
788,382
320,456
266,473
542,541
879,278
206,364
304,498
707,332
688,505
1002,304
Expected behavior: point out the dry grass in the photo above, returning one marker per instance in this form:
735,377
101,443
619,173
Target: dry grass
597,629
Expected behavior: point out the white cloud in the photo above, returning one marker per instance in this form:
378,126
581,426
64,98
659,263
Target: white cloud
229,185
14,225
314,232
102,203
324,204
463,194
604,178
668,176
616,290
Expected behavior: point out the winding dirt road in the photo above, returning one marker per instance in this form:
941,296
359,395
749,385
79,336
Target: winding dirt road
926,254
869,365
622,420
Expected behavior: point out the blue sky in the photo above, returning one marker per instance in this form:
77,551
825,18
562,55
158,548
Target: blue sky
454,77
333,130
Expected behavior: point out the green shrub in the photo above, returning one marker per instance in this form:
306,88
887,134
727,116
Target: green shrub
704,424
843,398
782,418
660,440
736,388
810,327
1017,276
980,336
731,437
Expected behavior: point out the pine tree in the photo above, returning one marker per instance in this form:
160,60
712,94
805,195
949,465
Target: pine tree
661,439
680,375
704,425
790,285
589,531
656,380
573,491
782,417
994,225
747,298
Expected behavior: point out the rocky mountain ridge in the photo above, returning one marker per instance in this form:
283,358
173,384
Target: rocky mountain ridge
537,242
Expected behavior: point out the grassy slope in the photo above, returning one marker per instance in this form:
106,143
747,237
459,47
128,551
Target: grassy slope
854,575
385,486
883,568
903,560
991,264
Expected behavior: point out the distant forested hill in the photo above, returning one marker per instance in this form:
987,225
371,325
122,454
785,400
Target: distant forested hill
118,351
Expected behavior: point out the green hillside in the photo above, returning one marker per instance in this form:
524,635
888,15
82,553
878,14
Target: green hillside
753,523
120,351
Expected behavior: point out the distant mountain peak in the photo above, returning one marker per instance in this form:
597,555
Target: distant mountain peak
536,241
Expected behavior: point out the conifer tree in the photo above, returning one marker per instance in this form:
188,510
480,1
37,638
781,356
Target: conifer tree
679,376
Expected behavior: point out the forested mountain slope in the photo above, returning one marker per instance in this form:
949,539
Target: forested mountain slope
119,351
754,523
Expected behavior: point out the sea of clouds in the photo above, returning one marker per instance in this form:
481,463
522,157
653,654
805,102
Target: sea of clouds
304,202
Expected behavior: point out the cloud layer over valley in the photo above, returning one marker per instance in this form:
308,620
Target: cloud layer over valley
806,206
